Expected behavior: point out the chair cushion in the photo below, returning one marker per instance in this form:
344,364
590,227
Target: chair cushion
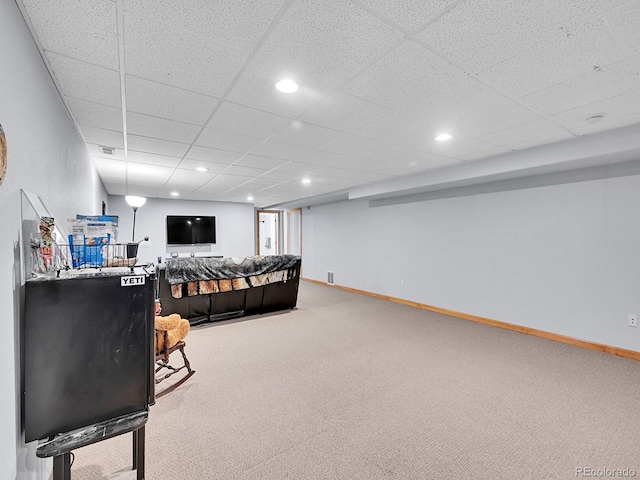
177,329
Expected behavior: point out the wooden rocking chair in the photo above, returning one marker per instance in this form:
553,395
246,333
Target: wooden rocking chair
170,334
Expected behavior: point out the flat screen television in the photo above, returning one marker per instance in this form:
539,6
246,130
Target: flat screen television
190,229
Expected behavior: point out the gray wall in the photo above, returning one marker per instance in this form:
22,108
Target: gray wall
562,258
48,158
235,225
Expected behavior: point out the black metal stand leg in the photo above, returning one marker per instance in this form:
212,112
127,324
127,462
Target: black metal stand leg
138,452
62,467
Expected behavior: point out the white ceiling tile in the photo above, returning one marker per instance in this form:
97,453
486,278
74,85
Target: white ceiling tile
609,124
148,126
226,181
153,159
350,176
165,101
522,132
82,29
259,183
212,167
100,136
355,146
219,139
327,42
234,118
305,135
256,88
623,106
143,190
96,152
86,81
575,52
280,150
374,150
607,4
467,109
280,175
184,191
114,188
94,114
183,176
451,148
156,145
359,164
537,141
320,45
110,168
428,161
237,25
257,161
408,72
295,189
345,112
332,159
195,195
171,56
145,174
490,152
336,182
409,14
478,34
396,127
626,18
214,155
299,167
245,171
596,84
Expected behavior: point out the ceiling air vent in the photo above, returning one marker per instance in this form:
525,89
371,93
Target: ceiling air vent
108,150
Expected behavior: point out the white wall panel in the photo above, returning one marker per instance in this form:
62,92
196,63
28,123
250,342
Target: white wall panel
46,158
234,226
560,258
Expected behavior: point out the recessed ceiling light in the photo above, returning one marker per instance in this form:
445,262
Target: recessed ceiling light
442,137
287,86
250,198
306,180
175,194
202,169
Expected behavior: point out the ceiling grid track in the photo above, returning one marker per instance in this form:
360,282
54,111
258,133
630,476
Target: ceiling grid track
123,93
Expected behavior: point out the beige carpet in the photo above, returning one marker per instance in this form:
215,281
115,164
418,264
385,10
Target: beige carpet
352,387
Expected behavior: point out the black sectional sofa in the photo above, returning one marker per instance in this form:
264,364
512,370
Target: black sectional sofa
210,289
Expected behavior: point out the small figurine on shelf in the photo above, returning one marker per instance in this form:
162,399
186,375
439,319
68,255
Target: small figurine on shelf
46,247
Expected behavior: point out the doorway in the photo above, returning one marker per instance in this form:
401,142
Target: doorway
269,232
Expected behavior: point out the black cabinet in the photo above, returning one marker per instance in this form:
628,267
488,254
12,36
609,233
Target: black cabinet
87,350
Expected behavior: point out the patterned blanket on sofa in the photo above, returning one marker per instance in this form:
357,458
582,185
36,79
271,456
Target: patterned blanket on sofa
199,275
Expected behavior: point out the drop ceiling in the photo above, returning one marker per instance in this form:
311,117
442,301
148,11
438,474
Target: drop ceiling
159,88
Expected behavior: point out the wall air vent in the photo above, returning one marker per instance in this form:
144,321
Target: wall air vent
330,278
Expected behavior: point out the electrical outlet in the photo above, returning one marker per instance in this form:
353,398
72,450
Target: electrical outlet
632,320
402,283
